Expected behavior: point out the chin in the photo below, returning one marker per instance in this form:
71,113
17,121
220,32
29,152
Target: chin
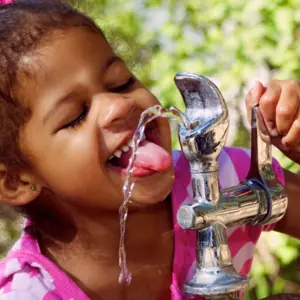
151,193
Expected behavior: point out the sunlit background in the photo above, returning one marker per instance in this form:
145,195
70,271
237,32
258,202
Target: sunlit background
233,42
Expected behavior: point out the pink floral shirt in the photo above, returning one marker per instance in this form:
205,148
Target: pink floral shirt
26,274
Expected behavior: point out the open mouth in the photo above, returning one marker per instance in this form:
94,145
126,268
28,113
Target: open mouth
150,158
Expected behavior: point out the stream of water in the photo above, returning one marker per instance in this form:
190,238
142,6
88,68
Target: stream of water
147,116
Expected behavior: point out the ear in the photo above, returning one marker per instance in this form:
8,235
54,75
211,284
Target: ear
17,187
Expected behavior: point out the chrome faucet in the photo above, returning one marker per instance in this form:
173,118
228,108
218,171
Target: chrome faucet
259,199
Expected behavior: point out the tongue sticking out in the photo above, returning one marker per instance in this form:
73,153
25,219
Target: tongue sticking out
149,157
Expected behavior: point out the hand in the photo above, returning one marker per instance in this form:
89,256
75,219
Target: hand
279,104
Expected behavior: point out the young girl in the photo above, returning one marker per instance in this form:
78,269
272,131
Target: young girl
68,109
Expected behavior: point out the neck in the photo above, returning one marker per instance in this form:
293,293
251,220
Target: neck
88,247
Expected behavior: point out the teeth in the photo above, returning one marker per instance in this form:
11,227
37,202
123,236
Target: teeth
130,143
125,148
118,153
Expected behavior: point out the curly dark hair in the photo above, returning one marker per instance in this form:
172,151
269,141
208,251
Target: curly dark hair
23,24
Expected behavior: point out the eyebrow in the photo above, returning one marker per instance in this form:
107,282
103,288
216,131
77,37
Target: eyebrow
58,103
111,61
108,63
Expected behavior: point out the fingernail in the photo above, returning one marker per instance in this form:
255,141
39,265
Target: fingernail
254,90
272,129
274,132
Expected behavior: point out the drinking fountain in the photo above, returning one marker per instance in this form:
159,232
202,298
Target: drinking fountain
259,199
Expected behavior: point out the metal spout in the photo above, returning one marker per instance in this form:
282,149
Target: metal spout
204,103
208,119
206,137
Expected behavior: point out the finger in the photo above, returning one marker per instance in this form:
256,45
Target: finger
268,104
287,109
253,97
293,154
292,139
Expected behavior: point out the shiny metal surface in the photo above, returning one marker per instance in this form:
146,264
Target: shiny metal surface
261,169
215,274
202,144
260,199
237,206
206,137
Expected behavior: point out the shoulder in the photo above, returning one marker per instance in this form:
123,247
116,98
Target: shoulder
22,275
234,164
22,278
237,161
29,275
232,154
179,160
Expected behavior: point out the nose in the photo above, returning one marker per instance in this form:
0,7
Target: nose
117,111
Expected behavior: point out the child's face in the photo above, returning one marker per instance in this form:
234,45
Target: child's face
85,106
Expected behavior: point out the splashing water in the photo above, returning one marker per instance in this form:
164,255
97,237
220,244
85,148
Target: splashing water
147,116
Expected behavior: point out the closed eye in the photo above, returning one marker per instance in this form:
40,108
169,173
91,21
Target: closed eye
124,87
76,122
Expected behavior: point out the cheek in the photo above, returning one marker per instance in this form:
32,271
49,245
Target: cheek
145,98
62,162
165,134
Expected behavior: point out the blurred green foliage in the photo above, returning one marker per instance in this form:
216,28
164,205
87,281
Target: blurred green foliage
234,42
